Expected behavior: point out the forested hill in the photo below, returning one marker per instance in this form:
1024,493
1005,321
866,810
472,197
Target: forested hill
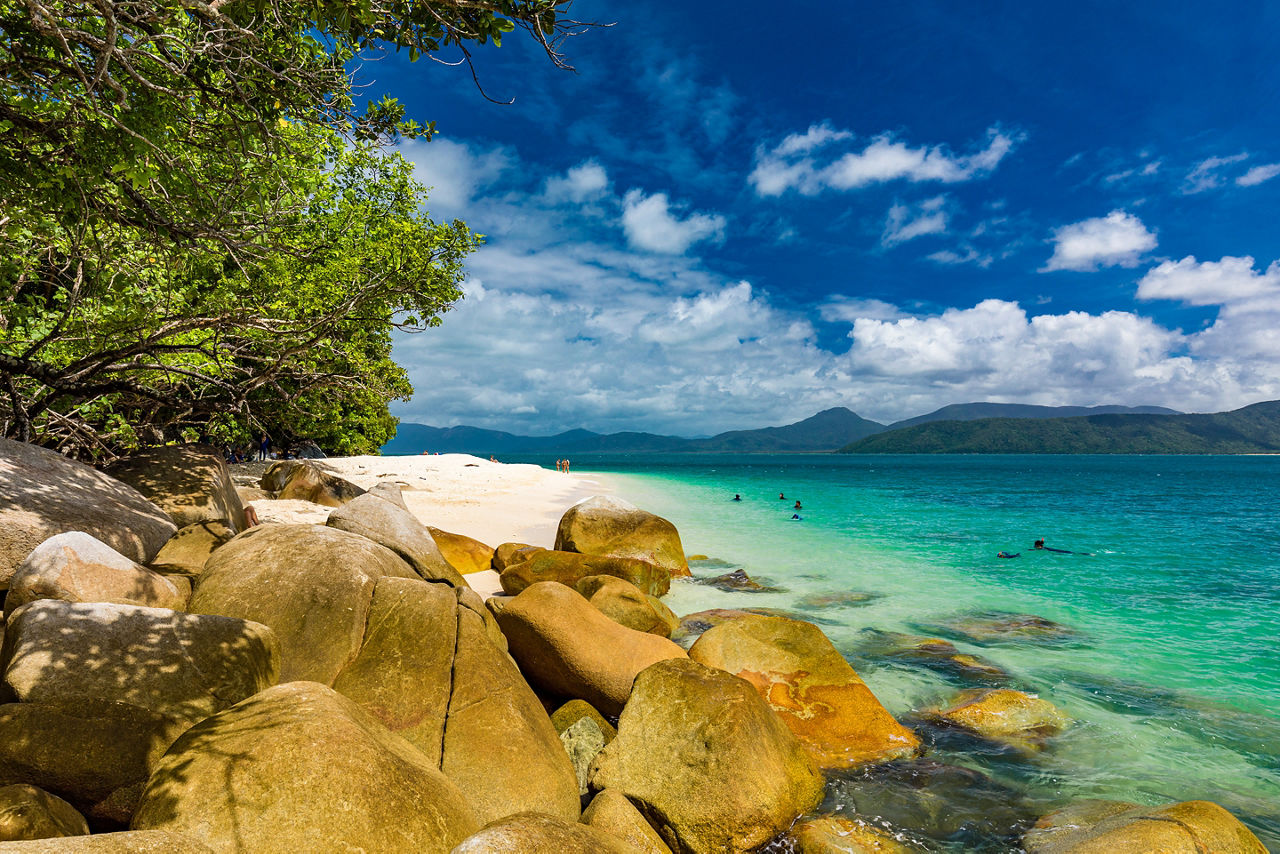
974,411
826,431
1253,429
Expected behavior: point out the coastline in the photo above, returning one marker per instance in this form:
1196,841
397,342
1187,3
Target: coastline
492,502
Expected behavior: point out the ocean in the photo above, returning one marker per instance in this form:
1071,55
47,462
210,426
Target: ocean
1163,645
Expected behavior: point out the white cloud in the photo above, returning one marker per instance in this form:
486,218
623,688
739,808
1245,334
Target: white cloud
789,165
1205,175
650,224
969,255
582,183
907,222
1230,280
846,309
1258,174
455,172
1118,239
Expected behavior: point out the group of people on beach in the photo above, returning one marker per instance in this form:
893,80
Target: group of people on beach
562,465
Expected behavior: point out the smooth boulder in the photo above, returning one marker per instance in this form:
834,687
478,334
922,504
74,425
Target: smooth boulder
706,760
627,605
1111,827
189,482
530,832
510,553
42,493
1013,718
399,530
465,554
565,646
312,585
833,834
189,549
186,666
128,842
569,568
611,812
27,812
307,481
300,768
95,754
75,567
609,526
812,688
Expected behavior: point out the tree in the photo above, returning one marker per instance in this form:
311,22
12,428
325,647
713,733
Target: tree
198,224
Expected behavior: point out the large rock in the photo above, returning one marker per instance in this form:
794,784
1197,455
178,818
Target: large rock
186,666
833,834
189,482
43,493
75,567
569,568
132,842
464,554
531,831
188,551
565,646
611,812
609,526
306,481
399,530
627,605
1111,827
95,754
707,761
300,768
1005,716
311,585
512,553
27,812
812,688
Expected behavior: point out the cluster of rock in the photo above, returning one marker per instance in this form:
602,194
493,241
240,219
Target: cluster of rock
175,680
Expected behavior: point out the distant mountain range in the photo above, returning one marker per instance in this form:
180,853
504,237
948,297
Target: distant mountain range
829,430
1252,430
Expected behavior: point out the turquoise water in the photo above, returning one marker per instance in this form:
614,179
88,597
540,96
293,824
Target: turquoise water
1170,669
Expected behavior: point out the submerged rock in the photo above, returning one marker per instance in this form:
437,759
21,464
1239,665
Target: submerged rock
944,805
837,599
738,582
934,654
812,688
1112,827
1008,717
707,761
833,834
612,527
1003,627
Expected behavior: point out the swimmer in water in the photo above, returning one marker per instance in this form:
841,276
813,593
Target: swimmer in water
737,497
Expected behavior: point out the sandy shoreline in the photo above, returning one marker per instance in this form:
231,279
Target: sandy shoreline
492,502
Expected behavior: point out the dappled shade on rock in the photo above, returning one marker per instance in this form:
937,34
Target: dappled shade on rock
565,646
183,665
707,761
307,481
570,568
27,812
75,567
189,482
311,585
128,842
189,549
812,688
531,831
609,526
1112,827
95,754
399,530
300,768
42,493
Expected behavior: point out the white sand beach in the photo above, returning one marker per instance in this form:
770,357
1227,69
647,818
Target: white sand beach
492,502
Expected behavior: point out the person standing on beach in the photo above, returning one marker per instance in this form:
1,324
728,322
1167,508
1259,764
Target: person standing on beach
264,449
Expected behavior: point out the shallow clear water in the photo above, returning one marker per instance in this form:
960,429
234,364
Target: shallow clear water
1172,667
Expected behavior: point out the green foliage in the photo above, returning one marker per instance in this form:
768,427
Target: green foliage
1254,429
197,230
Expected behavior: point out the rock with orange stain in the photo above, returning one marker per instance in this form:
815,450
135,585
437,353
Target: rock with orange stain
811,687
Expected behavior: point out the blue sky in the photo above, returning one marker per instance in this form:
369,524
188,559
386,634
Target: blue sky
735,215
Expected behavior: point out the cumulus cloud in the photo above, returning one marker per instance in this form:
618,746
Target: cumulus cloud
1259,174
1118,239
793,165
1207,173
582,183
454,171
651,225
1231,280
907,222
